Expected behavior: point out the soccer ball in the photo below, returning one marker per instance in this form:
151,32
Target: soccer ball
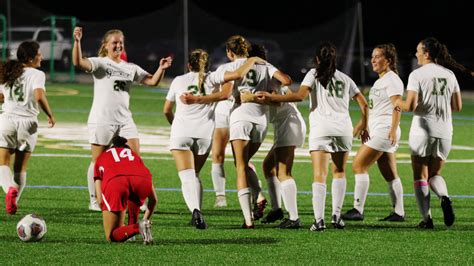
31,228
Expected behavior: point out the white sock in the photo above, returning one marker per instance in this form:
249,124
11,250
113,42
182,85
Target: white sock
438,185
6,178
319,200
253,183
20,180
360,191
274,190
422,194
218,178
338,191
199,190
288,191
90,182
396,194
188,188
244,200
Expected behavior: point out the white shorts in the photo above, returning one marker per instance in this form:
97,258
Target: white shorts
290,131
247,131
222,120
331,144
18,133
379,141
196,145
102,134
429,146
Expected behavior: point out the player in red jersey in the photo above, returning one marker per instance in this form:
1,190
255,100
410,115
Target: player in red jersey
120,178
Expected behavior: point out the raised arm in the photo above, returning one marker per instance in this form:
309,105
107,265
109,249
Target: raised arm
284,79
168,111
154,80
360,130
77,59
223,94
243,69
40,97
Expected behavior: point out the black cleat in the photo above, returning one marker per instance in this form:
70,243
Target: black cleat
318,226
198,220
448,212
393,217
426,225
353,215
337,222
290,224
259,209
273,216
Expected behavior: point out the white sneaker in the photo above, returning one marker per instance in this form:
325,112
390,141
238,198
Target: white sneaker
221,202
94,206
145,231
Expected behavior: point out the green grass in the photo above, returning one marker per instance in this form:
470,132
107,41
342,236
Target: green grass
75,235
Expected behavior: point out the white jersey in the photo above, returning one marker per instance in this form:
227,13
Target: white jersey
193,120
435,86
279,113
329,107
257,79
380,106
112,82
19,100
223,107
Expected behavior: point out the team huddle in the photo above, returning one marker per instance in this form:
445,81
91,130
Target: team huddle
236,103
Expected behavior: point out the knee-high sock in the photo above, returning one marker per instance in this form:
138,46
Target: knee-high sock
20,180
123,233
6,178
90,182
274,190
422,194
218,178
360,191
319,200
253,183
244,201
133,212
338,191
188,188
438,185
199,190
396,194
289,191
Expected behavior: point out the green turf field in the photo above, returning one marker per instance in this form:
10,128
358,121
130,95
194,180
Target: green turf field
57,191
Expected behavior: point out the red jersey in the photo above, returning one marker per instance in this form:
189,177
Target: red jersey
119,162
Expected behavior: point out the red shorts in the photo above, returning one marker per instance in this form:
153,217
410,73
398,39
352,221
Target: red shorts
120,189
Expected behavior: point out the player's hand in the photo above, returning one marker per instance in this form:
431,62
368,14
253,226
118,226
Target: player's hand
166,62
188,98
51,121
77,34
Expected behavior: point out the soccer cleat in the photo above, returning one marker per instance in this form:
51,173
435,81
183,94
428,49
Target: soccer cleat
273,216
337,222
145,230
353,215
198,220
94,206
259,209
426,224
448,212
221,202
245,226
318,226
10,200
290,224
393,217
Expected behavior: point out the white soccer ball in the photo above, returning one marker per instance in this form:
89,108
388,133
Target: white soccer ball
31,228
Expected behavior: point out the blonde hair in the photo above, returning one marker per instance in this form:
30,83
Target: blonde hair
102,50
238,45
199,62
